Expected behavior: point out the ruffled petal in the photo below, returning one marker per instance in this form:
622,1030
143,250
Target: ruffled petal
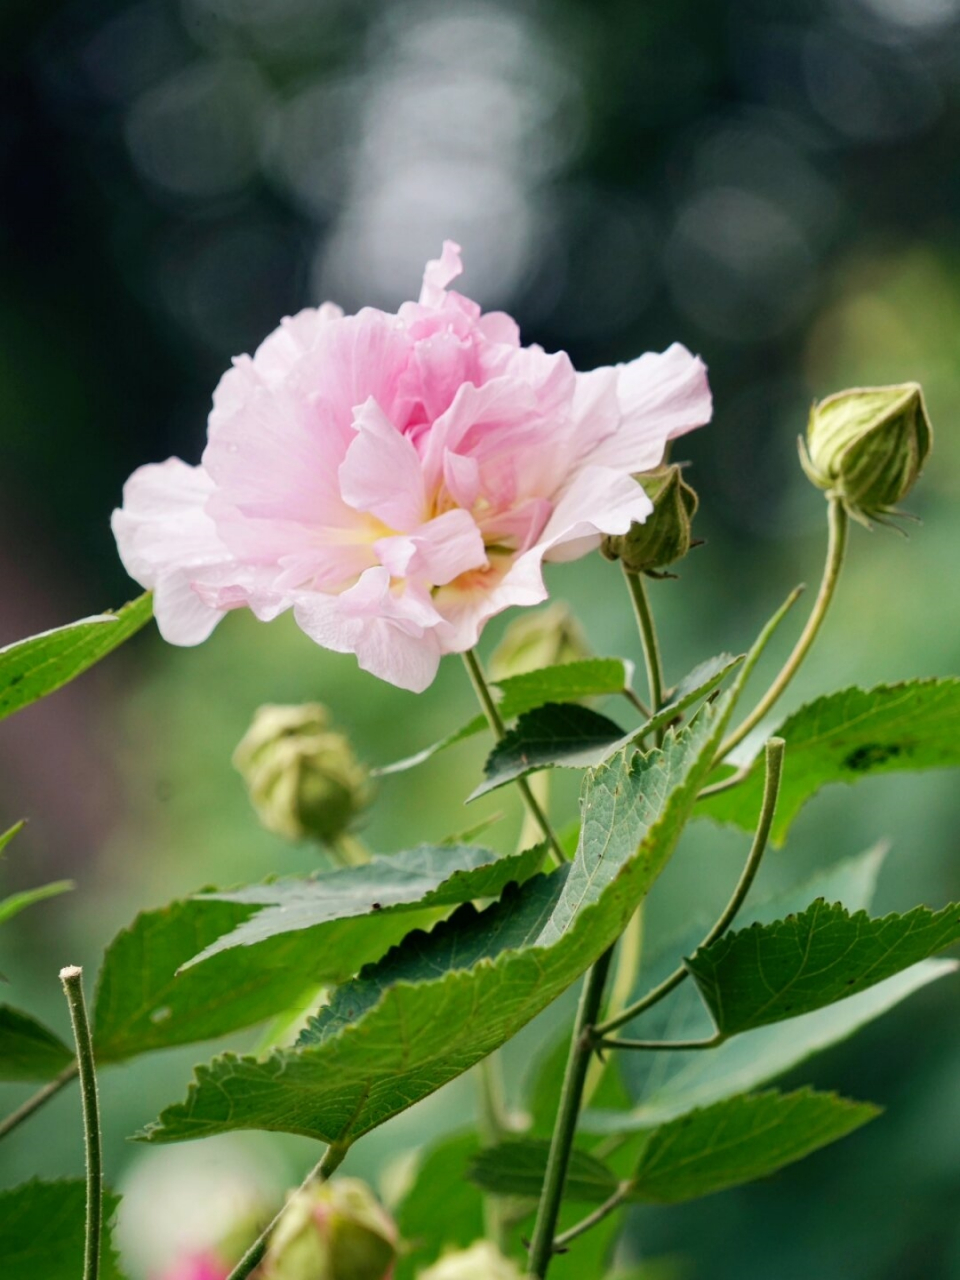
437,552
381,473
439,272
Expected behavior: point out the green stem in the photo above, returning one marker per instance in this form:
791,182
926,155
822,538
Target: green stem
332,1158
625,973
836,548
598,1215
541,1249
771,789
495,720
648,638
668,1046
72,979
34,1103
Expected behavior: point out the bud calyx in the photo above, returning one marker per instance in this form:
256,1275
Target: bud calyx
667,533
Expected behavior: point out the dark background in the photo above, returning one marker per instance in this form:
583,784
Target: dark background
774,183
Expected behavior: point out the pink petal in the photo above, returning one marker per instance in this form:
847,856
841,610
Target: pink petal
438,552
382,473
598,501
438,274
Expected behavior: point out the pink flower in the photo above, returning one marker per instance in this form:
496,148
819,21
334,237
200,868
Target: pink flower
397,480
198,1266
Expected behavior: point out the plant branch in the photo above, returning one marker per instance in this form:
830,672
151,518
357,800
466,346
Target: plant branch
34,1103
541,1249
671,1046
648,638
774,771
72,979
495,720
836,548
332,1158
592,1219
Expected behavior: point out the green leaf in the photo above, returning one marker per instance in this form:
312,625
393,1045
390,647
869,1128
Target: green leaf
568,736
468,730
442,1001
568,682
428,877
28,1050
17,902
790,967
574,737
850,735
739,1140
7,836
517,1168
30,669
440,1178
42,1227
665,1085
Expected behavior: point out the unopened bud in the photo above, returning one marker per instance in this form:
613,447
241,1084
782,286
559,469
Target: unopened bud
303,778
540,638
867,447
667,533
482,1261
332,1231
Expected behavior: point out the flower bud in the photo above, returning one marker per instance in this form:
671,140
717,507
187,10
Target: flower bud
482,1261
303,778
867,447
198,1266
332,1231
666,535
540,638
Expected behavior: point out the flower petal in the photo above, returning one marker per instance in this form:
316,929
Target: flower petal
438,274
382,473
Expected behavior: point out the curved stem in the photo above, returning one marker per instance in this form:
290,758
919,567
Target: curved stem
34,1103
648,638
332,1158
495,720
72,978
836,547
672,1046
592,1219
542,1246
771,789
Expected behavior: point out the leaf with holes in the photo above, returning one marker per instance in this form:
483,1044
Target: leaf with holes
30,669
790,967
846,736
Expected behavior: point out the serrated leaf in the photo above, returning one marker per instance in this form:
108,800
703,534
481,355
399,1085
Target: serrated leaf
42,1227
442,1001
556,735
568,682
8,835
665,1085
18,902
425,878
517,1168
740,1140
28,1050
575,737
30,669
770,972
850,735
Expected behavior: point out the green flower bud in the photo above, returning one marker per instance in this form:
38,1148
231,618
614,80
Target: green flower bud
867,447
482,1261
540,638
332,1231
666,535
303,778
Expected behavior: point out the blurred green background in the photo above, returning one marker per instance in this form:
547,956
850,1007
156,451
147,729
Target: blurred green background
773,182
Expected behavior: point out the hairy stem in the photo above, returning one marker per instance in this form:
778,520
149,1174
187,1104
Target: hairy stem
332,1158
648,638
592,1219
495,720
541,1249
836,548
34,1103
774,770
72,979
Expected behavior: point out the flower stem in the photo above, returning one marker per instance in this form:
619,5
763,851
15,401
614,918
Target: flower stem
771,789
836,548
648,638
542,1247
72,979
592,1219
332,1158
35,1102
495,720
